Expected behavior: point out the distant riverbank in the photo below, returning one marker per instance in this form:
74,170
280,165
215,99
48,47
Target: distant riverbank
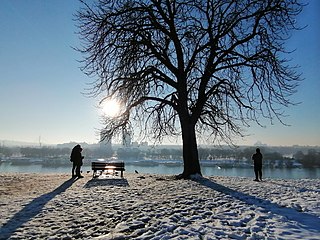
171,167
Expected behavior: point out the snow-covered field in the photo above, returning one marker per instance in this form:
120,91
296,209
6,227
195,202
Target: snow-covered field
148,206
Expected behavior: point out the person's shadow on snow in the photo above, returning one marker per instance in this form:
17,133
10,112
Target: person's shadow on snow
305,220
302,189
31,210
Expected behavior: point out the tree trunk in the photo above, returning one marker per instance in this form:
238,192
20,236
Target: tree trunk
190,150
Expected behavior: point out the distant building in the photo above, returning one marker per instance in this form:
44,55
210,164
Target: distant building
126,138
258,143
136,144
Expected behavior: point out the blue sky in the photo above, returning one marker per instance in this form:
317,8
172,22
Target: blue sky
41,85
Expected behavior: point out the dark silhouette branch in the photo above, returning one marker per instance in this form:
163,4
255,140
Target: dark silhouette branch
181,67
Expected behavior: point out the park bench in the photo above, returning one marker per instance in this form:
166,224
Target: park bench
112,167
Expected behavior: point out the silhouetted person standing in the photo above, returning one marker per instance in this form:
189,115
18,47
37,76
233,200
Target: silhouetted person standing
76,159
257,162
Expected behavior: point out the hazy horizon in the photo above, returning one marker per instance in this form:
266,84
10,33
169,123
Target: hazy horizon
7,142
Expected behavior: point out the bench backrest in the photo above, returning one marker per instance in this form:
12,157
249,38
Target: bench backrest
107,164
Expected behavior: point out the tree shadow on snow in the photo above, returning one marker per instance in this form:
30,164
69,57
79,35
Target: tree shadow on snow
31,209
305,220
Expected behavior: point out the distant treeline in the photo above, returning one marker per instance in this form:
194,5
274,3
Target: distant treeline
50,152
309,158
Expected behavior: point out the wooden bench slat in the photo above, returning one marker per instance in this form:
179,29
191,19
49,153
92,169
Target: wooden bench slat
114,166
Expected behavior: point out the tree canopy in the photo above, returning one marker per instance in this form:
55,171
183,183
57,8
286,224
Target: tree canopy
190,67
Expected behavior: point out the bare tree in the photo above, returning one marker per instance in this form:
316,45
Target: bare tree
190,67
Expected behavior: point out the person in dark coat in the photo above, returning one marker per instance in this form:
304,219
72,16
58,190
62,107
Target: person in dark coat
257,163
76,158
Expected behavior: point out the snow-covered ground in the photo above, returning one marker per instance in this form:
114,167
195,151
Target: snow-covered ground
148,206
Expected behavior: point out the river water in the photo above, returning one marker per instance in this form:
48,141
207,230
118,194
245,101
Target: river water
168,167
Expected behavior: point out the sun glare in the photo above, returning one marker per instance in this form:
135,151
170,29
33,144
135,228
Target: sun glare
110,108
